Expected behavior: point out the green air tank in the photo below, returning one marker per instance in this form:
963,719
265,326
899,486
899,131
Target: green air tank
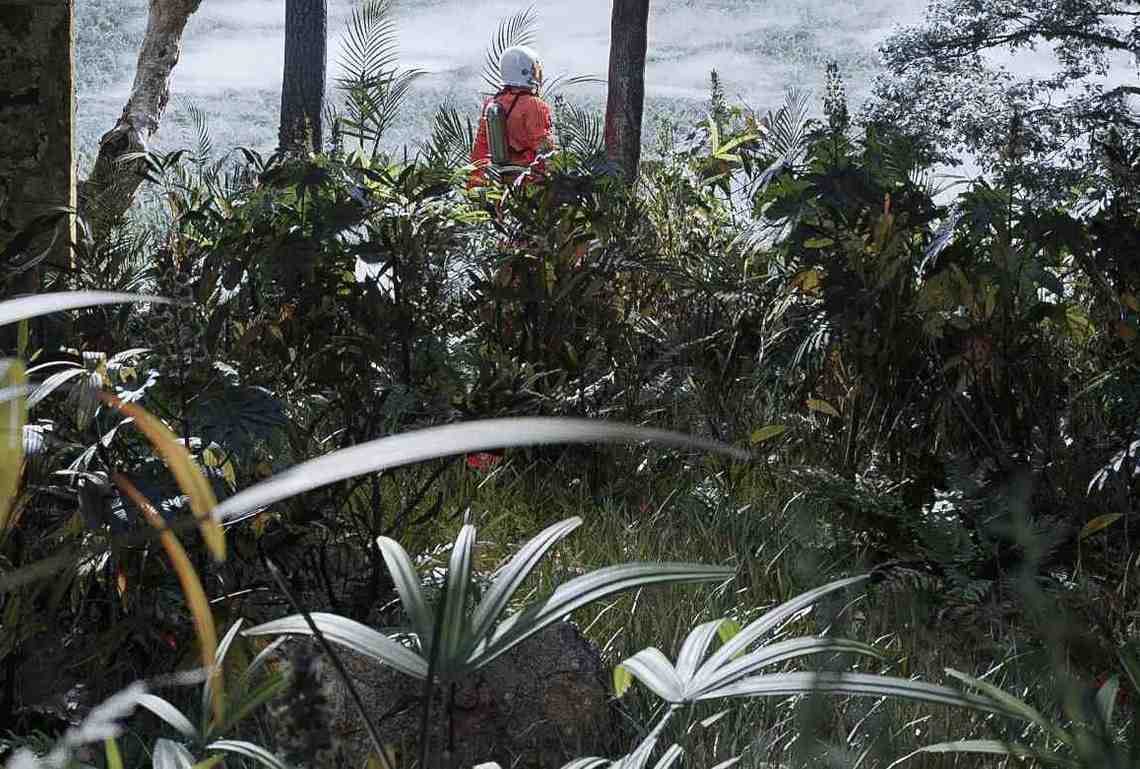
497,133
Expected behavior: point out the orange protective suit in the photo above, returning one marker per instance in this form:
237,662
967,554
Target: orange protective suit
530,129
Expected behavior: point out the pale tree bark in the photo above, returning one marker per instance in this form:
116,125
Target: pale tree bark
108,192
303,81
625,102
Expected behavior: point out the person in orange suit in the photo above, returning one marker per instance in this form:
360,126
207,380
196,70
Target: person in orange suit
529,121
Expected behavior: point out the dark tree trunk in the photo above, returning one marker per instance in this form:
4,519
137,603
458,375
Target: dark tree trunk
303,81
629,35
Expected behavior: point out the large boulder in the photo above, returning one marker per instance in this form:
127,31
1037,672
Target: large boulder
542,703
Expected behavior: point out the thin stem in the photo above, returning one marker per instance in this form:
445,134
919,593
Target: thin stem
377,743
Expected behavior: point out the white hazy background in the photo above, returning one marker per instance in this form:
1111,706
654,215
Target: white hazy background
233,54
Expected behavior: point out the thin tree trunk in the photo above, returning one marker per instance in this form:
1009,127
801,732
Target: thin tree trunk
108,193
303,81
625,102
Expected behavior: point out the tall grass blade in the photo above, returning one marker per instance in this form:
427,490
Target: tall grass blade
191,585
13,417
434,442
26,307
184,469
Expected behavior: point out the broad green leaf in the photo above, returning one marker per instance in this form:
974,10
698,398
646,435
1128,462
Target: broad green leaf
351,635
991,747
13,417
25,307
249,750
653,669
1099,523
407,581
169,714
589,588
184,469
772,619
433,442
767,433
511,576
168,754
822,406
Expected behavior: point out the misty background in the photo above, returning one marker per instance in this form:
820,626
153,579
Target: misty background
233,55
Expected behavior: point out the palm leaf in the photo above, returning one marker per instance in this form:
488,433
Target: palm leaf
517,29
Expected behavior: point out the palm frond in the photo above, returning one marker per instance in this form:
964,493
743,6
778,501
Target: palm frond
789,126
517,29
580,131
203,143
452,136
369,48
374,86
552,88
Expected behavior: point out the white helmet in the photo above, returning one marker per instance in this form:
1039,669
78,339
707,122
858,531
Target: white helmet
519,66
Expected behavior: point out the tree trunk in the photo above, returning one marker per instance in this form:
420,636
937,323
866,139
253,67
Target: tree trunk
629,35
109,191
303,82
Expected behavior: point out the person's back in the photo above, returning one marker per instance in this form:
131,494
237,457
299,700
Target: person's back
529,124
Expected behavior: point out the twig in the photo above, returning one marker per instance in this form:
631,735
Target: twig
333,658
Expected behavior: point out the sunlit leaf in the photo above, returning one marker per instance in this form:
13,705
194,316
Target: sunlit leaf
13,417
767,433
623,679
1099,523
822,406
170,755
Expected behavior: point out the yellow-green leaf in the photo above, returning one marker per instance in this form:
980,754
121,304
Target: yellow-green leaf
186,472
1099,523
767,433
1078,323
822,406
114,757
623,679
807,281
13,416
727,630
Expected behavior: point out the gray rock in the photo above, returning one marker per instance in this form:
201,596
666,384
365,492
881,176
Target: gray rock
540,704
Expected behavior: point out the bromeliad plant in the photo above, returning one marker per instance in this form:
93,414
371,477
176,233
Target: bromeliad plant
454,639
